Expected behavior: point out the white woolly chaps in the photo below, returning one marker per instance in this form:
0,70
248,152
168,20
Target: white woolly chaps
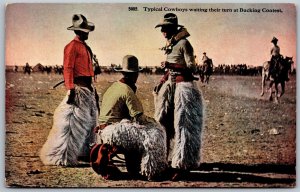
184,106
149,140
71,133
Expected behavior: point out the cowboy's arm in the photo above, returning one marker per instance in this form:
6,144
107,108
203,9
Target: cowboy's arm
135,109
69,62
189,58
133,104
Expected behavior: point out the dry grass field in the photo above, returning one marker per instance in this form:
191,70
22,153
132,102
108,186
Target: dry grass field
248,141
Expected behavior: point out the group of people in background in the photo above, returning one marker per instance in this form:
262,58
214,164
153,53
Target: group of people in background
220,69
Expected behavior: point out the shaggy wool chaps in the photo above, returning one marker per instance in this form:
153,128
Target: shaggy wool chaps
71,134
146,141
179,109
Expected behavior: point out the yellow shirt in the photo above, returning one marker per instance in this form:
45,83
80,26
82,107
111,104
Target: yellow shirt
119,102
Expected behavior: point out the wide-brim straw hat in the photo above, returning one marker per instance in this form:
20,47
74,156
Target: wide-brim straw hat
130,64
274,39
80,23
169,19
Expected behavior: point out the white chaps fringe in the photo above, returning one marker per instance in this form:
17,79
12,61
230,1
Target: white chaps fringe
149,140
71,133
185,106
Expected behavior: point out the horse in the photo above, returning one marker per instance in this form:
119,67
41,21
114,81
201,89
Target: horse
205,71
282,68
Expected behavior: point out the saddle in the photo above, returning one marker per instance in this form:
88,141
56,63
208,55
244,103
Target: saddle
101,161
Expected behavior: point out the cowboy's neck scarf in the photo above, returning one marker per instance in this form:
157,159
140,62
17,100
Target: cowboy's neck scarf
181,34
129,83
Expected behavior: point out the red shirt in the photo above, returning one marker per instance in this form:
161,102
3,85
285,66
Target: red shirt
77,62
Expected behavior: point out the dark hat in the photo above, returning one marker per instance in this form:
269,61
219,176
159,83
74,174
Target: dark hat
80,23
169,19
274,39
130,64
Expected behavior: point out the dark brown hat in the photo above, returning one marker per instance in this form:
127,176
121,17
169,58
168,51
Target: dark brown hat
169,19
80,23
130,64
274,39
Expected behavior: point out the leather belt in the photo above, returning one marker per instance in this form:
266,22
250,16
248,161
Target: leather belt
83,81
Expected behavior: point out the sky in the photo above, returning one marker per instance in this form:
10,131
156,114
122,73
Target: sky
37,33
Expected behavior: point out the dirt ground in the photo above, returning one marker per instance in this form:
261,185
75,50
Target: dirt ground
248,141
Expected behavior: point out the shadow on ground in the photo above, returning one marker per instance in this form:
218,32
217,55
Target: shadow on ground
221,172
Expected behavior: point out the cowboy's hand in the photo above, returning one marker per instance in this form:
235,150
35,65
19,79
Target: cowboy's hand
150,120
143,119
157,88
96,129
71,99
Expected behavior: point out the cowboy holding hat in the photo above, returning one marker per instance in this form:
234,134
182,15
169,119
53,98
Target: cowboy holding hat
76,116
123,125
178,103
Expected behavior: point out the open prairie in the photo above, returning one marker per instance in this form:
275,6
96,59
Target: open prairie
248,141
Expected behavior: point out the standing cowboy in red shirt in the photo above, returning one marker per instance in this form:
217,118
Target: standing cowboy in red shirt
71,135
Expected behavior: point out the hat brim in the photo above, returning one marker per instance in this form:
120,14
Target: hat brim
90,27
166,24
126,70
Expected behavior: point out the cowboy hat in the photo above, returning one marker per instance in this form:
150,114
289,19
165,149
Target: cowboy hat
169,19
274,39
80,23
130,64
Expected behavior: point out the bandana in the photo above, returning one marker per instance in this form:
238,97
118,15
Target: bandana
181,34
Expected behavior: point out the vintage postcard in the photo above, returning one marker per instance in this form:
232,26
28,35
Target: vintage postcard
148,95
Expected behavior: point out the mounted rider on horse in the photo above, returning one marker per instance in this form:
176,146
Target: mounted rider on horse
207,64
276,61
276,70
207,68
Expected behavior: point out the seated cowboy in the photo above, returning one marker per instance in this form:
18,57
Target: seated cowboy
124,128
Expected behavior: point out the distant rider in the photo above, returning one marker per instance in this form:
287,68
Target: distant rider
276,58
